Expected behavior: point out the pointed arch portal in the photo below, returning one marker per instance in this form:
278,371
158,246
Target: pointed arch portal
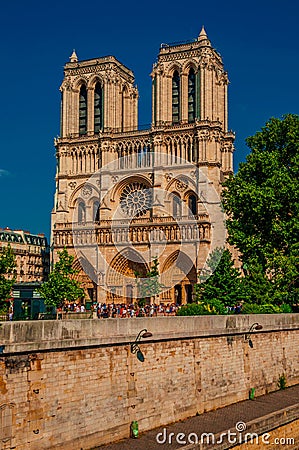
85,274
121,276
179,274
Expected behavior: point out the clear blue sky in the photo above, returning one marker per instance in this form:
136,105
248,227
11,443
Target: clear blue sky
258,41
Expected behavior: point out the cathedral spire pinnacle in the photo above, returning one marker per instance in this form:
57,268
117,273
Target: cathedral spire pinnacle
74,57
202,37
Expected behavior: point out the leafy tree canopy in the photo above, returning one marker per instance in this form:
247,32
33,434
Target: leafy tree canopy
61,287
7,264
262,203
150,285
222,281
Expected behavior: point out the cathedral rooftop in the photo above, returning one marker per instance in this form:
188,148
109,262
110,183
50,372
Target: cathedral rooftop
201,40
75,63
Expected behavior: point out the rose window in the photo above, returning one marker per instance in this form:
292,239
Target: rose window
135,199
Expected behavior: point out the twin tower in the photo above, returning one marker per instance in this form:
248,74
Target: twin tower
125,196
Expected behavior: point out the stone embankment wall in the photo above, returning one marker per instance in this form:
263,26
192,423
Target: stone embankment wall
75,384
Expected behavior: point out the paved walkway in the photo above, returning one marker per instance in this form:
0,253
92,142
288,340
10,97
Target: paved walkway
213,422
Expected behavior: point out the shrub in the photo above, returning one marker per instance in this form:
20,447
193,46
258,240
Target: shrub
201,308
285,308
282,382
267,308
250,308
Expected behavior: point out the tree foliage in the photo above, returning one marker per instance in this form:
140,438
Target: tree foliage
7,265
262,203
214,306
61,286
219,289
149,286
222,281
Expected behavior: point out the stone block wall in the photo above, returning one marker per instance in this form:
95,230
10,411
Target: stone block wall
75,384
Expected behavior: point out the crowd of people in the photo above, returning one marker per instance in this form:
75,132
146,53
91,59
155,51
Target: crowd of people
121,310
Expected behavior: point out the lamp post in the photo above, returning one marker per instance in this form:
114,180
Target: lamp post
254,327
134,346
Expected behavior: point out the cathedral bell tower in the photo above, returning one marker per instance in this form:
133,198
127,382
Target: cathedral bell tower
189,90
189,84
97,95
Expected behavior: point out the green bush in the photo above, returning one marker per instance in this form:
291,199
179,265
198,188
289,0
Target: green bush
267,308
250,308
285,308
201,308
192,309
4,309
282,382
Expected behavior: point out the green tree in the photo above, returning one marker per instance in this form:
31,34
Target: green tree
61,287
262,203
7,265
221,281
149,286
257,287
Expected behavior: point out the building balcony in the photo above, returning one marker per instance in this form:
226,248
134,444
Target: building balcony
139,231
144,221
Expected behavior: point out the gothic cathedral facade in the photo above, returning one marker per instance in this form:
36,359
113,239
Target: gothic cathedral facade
126,196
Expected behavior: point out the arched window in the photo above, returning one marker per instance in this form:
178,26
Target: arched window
176,206
125,109
155,99
176,97
98,108
191,96
81,212
96,211
192,204
61,113
83,110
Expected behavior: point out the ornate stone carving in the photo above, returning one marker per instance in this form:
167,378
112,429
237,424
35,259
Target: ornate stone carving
216,135
222,78
72,185
227,147
181,185
168,177
135,199
86,191
203,134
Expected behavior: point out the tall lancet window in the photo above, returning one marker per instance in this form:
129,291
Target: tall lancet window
83,110
98,108
176,97
96,211
191,96
192,204
81,212
176,206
